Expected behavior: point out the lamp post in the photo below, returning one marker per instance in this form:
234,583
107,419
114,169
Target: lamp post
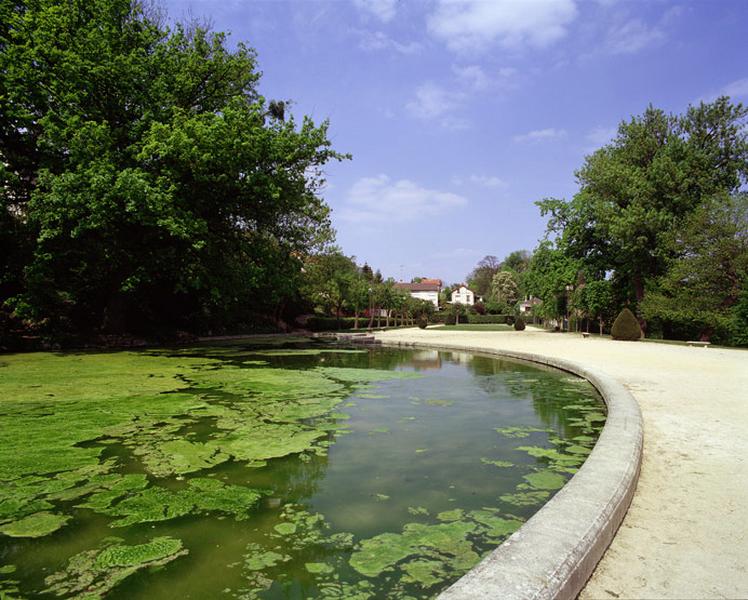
569,290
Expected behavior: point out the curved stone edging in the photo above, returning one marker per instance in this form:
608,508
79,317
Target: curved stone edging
554,553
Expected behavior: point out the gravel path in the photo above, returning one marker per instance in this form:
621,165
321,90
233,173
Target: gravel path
686,533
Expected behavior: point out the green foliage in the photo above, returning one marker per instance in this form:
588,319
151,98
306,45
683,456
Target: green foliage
694,299
487,319
519,324
146,184
740,317
638,191
626,327
479,280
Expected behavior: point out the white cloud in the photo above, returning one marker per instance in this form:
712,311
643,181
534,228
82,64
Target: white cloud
478,79
475,25
384,10
378,40
735,89
379,199
488,181
539,135
632,36
433,101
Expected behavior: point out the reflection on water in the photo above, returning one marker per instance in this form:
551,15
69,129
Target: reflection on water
408,481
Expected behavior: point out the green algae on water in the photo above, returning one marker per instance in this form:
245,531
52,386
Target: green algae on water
94,573
35,525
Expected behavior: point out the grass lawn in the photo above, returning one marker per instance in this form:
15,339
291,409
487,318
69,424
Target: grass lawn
477,327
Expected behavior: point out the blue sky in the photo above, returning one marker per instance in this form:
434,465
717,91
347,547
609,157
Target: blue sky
460,114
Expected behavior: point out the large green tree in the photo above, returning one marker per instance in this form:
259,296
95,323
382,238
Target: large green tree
144,179
643,186
697,295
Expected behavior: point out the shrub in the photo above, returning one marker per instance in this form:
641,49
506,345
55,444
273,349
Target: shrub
626,327
487,319
423,322
331,323
519,324
479,308
450,319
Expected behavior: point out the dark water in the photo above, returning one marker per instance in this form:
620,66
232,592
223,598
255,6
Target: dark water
422,450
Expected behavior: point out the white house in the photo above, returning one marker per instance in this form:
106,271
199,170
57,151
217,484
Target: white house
426,290
462,295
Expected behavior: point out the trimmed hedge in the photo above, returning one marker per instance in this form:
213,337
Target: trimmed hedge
519,324
331,323
626,327
487,319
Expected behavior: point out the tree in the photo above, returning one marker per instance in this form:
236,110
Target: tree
596,301
639,189
704,279
330,279
549,274
358,298
146,182
479,279
504,289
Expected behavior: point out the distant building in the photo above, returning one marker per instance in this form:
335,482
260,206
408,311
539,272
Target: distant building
528,303
462,295
423,291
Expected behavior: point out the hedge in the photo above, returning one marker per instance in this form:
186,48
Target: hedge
331,323
487,319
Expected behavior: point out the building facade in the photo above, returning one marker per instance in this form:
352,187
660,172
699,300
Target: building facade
462,295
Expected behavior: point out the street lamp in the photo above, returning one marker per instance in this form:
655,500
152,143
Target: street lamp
569,290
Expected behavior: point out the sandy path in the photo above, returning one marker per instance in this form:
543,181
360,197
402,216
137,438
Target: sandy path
686,533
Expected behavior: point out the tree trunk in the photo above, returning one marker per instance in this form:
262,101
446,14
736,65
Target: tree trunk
355,319
387,319
638,282
601,326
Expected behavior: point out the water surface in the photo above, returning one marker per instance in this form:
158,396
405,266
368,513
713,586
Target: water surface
298,471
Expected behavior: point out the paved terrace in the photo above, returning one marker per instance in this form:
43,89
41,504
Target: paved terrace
686,532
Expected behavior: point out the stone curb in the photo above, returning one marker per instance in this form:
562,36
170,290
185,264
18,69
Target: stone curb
554,553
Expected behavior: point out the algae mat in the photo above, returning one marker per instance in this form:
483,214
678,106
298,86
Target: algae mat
290,471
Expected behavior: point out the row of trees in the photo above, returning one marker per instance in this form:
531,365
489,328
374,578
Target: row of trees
660,224
145,184
336,285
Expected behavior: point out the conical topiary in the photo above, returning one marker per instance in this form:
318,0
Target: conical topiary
519,324
626,327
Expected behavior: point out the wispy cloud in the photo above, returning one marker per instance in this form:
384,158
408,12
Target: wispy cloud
433,102
540,135
379,199
487,181
384,10
378,40
632,36
478,79
476,25
735,89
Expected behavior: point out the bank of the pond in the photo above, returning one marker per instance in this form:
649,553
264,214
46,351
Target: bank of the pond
684,534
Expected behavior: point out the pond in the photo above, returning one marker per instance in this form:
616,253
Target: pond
285,469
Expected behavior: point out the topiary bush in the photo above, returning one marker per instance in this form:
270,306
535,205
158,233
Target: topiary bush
626,327
423,322
519,324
